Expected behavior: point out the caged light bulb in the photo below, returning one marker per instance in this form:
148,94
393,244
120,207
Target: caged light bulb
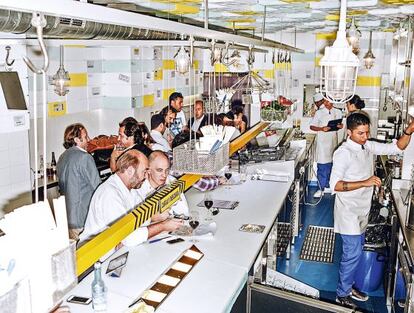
182,61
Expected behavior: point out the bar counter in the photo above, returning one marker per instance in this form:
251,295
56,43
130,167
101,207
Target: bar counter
215,282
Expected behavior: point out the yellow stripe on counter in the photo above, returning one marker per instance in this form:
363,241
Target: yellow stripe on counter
168,65
326,36
166,93
369,81
148,100
78,79
57,108
90,252
220,68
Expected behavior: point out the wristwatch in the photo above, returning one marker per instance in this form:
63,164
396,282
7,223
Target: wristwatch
405,133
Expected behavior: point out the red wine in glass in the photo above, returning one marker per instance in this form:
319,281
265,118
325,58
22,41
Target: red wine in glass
194,224
208,203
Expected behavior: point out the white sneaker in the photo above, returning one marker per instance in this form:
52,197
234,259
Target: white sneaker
318,194
327,190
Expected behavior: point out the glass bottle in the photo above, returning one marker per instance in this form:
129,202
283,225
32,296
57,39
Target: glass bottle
98,290
53,164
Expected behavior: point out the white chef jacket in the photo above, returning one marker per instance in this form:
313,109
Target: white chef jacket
111,201
181,115
352,163
163,144
180,207
326,141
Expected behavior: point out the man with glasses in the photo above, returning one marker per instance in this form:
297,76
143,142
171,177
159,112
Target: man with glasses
118,195
158,176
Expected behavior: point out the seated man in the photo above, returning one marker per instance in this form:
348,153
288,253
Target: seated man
158,176
199,119
78,177
158,128
117,196
129,137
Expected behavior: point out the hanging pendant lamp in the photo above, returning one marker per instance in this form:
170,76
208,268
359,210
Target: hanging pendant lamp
369,57
353,36
339,66
61,79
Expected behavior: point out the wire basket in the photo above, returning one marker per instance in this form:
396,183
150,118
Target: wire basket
272,115
64,271
186,159
16,299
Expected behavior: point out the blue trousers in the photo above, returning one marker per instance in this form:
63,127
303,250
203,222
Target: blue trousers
324,174
352,246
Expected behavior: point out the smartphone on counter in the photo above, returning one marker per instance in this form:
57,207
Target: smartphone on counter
177,240
79,300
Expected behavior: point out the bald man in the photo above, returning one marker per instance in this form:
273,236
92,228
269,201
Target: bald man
158,176
118,195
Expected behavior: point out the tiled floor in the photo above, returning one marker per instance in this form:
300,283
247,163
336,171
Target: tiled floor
323,276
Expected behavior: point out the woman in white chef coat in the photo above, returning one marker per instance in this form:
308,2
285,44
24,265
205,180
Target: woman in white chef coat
327,141
353,182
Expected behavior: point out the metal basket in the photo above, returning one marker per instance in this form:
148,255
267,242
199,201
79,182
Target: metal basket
64,271
273,115
188,160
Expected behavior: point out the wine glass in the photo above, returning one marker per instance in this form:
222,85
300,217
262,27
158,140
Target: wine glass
208,203
194,222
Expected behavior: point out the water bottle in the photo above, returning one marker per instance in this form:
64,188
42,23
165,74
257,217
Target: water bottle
98,290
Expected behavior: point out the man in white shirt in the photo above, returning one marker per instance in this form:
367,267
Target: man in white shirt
353,182
78,177
117,196
179,124
158,128
158,176
199,119
327,141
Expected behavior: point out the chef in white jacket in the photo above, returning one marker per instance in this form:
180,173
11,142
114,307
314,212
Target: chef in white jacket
327,141
118,195
158,176
353,182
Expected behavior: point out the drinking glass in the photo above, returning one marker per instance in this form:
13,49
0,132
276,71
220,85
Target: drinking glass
208,203
194,222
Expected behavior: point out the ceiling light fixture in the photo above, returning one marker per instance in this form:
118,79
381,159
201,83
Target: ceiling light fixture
339,66
61,79
353,36
369,57
182,61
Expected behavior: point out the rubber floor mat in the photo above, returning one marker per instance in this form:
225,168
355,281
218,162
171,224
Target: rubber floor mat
319,244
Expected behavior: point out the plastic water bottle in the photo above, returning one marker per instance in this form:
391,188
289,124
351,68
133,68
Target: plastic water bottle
98,290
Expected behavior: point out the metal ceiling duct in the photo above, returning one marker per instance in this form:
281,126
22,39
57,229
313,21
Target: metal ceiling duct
69,28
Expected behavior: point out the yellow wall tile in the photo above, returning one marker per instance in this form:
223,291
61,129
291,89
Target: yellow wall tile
148,100
158,74
168,65
369,81
78,79
166,93
220,68
269,74
56,108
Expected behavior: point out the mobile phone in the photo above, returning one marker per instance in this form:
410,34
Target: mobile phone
182,217
79,300
118,262
175,241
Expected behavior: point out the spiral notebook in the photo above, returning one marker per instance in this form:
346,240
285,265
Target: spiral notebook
222,204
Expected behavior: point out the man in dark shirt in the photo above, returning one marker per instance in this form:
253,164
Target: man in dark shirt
129,137
78,177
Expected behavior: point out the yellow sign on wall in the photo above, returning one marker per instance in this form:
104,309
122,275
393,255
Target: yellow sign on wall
57,108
